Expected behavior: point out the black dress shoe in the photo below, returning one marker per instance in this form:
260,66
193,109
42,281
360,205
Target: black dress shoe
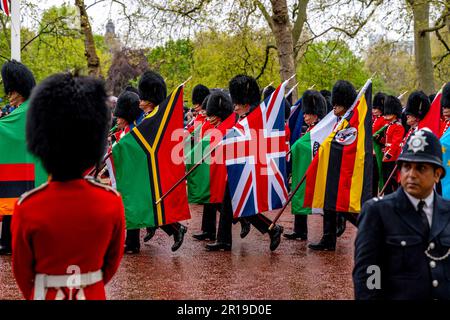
179,237
5,251
327,243
245,228
150,233
295,235
217,246
341,224
205,236
131,250
275,237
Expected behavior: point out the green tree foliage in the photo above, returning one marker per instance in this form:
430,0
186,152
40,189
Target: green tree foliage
56,46
326,62
394,65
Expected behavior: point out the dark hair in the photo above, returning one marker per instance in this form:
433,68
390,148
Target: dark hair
67,124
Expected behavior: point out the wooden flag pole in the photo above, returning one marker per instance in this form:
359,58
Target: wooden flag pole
292,89
291,196
388,180
312,87
104,164
186,175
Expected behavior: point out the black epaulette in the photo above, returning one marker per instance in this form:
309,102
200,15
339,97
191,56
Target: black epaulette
27,194
103,186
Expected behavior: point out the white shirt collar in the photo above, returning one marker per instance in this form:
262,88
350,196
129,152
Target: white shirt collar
415,202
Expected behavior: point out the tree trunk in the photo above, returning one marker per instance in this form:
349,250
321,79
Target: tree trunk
93,61
283,38
422,45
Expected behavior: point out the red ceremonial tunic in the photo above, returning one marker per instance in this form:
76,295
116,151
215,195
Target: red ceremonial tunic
392,146
62,224
199,119
378,124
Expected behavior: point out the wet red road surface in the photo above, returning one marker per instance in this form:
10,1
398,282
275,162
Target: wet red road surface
249,271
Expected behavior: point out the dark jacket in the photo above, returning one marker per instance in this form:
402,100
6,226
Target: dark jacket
390,236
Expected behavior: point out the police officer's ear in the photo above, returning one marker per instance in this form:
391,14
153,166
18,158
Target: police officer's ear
438,173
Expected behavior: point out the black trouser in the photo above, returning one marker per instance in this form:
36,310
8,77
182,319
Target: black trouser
5,240
392,185
329,224
375,177
260,222
133,239
209,217
225,219
301,224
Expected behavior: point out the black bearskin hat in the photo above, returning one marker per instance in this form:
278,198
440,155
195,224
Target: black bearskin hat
67,124
132,89
219,105
392,105
199,94
343,94
314,103
418,104
152,87
17,77
244,90
268,91
327,95
378,101
127,106
204,102
445,99
431,97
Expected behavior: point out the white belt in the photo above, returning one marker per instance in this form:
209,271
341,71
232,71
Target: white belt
72,281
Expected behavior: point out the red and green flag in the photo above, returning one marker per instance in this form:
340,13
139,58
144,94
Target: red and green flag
146,166
19,170
206,184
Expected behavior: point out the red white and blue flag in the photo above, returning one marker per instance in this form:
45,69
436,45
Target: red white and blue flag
4,6
256,158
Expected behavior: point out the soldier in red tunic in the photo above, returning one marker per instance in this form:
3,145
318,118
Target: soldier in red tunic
393,138
416,108
68,234
378,122
445,106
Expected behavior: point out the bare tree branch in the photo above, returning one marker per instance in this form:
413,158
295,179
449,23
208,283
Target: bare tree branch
266,60
265,13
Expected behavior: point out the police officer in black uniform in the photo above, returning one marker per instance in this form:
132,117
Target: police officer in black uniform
402,247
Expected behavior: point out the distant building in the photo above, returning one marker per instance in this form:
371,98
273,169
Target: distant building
111,39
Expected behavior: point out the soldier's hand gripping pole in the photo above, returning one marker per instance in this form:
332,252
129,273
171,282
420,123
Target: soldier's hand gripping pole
291,196
387,181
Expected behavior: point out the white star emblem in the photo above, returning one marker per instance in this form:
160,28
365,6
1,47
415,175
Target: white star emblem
418,142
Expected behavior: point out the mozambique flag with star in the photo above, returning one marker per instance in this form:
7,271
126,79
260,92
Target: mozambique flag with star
19,170
147,164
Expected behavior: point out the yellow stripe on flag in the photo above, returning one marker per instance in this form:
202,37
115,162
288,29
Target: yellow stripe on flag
152,152
358,171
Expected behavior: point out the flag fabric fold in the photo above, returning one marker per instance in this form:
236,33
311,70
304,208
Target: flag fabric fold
206,184
340,175
146,166
256,158
303,152
19,170
432,119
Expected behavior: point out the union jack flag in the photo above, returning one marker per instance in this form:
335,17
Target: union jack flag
4,6
256,158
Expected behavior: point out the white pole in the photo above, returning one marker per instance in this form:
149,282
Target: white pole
15,30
